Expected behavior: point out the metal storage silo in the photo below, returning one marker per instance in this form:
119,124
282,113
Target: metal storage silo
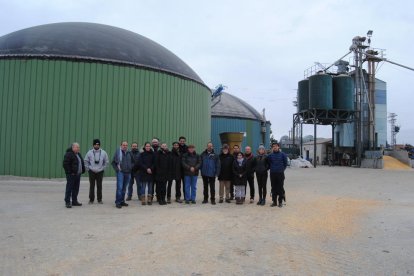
303,95
67,82
320,91
343,92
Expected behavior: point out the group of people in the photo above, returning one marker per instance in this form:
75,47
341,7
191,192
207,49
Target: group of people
155,168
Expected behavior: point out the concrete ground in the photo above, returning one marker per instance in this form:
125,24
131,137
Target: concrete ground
337,221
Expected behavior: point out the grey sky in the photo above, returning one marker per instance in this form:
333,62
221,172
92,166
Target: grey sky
258,49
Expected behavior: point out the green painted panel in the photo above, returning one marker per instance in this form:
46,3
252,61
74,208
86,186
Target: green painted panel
46,105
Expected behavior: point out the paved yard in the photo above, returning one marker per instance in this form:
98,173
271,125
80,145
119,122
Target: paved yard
337,221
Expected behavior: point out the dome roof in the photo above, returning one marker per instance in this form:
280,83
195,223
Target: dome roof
228,105
96,42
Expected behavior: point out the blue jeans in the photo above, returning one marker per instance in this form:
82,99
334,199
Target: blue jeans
134,176
190,187
146,185
122,180
72,187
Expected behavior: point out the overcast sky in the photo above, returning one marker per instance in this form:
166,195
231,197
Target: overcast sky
258,49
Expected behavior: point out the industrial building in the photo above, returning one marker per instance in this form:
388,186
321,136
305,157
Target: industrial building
67,82
231,114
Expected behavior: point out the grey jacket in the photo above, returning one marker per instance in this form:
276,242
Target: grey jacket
124,163
93,156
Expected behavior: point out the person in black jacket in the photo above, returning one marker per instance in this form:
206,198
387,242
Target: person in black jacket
250,163
135,173
226,173
175,173
163,172
74,167
183,149
261,169
240,178
146,164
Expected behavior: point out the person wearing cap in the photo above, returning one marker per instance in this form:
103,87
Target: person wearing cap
210,168
226,173
277,161
96,161
261,168
74,166
191,163
122,164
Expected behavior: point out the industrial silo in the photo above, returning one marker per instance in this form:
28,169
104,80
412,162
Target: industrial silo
231,114
303,95
343,92
68,82
320,91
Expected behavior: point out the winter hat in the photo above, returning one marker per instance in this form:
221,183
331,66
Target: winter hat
261,147
96,142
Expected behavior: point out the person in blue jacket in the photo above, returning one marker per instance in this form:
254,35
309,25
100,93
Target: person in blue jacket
277,161
210,168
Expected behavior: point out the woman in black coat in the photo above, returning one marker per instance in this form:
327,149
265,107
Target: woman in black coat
146,164
163,172
240,178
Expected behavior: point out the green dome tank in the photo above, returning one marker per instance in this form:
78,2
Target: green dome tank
320,92
303,95
343,92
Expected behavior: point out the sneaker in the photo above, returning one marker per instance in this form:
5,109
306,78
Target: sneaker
162,202
274,204
231,197
68,205
251,200
221,200
124,204
76,204
90,202
228,200
259,202
187,202
213,202
100,202
193,201
205,201
128,198
119,206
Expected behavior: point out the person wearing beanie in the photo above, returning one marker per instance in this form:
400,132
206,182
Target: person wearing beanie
240,179
96,161
226,173
261,169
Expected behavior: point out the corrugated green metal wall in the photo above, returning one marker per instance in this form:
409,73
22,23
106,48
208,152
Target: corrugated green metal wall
47,104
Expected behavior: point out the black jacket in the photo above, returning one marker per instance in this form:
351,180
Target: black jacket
226,167
262,166
175,165
191,160
240,170
183,149
135,156
250,163
163,163
146,160
71,162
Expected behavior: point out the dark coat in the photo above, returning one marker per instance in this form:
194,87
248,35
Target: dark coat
250,164
277,162
191,160
71,162
226,167
210,164
175,165
240,172
135,156
183,149
262,166
146,160
163,162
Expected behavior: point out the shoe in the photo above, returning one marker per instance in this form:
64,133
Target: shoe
205,201
228,200
263,202
213,202
259,202
187,202
128,198
193,201
119,206
231,197
274,204
251,200
149,200
169,200
100,202
221,200
280,205
76,204
68,205
90,202
178,200
124,204
162,202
